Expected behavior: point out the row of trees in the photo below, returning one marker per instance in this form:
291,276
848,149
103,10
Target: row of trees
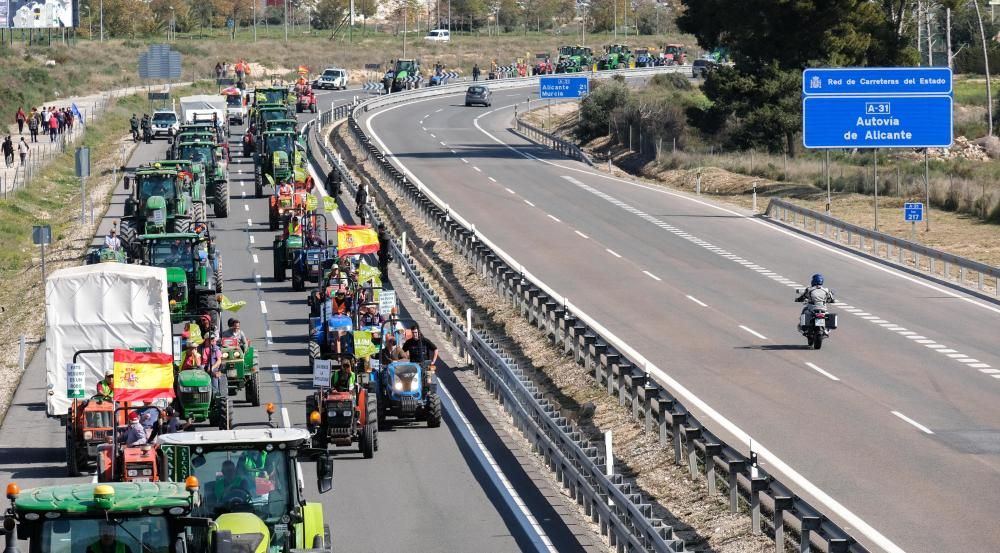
756,102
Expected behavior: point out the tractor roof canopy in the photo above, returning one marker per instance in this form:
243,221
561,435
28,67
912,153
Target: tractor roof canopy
238,436
128,497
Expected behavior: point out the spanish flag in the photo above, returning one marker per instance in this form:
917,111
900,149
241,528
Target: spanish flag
141,376
353,239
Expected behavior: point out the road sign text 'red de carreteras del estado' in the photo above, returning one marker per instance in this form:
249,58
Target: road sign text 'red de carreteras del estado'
891,107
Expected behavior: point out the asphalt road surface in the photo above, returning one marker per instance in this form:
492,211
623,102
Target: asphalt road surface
896,418
423,491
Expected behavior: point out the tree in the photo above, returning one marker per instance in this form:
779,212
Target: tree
756,103
328,14
510,14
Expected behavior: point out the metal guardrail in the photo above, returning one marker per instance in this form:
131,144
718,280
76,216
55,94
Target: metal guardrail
551,141
950,267
648,391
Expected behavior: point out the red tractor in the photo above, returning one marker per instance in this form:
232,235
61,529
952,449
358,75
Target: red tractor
306,100
346,412
284,204
543,65
674,54
89,424
119,462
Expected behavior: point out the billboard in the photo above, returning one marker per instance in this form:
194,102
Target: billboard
38,14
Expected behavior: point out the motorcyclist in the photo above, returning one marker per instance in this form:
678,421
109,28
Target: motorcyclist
816,295
134,125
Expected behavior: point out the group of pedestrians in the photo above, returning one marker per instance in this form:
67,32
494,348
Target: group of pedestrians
52,121
8,149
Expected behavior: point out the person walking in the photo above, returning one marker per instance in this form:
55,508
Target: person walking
33,126
22,149
21,118
361,198
8,151
53,126
383,251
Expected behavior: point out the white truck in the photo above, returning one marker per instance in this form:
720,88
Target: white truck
201,109
101,306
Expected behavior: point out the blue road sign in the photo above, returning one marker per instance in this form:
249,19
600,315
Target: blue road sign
877,121
868,81
913,212
563,87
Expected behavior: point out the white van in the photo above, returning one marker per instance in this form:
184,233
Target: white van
333,77
439,35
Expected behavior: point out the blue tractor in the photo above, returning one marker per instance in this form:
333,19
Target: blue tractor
309,262
405,390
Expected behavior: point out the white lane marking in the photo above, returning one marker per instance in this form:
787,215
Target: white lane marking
249,222
275,373
243,183
255,260
572,180
243,194
915,424
651,275
443,144
554,218
464,160
433,135
438,110
913,336
508,189
696,300
477,169
424,128
426,116
754,332
498,471
582,235
987,371
821,371
270,338
284,418
454,152
741,435
982,366
263,307
251,239
246,207
529,203
614,253
494,180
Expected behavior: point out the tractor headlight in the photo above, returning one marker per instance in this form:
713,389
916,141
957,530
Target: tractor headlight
186,389
236,354
231,373
147,472
398,385
331,414
88,435
204,389
133,472
347,413
225,355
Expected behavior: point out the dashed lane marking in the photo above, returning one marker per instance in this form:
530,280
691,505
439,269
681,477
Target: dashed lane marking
614,253
754,332
696,300
914,423
582,235
263,307
814,367
652,276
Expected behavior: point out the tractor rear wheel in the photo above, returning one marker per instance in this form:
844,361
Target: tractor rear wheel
253,390
315,351
433,411
181,224
279,262
221,199
258,182
225,415
298,283
127,234
72,457
367,442
198,211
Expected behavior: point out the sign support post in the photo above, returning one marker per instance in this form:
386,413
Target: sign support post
875,175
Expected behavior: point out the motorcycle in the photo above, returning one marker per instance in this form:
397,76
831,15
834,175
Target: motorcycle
815,322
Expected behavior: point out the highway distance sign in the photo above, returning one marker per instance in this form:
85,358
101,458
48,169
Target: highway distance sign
913,212
563,87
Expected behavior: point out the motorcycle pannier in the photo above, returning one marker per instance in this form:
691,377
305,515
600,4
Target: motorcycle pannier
831,320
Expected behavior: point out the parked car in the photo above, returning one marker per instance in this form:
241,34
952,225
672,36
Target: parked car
478,94
333,77
165,122
439,35
700,68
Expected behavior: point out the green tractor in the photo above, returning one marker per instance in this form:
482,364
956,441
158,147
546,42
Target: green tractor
160,201
194,271
273,160
273,95
281,125
197,185
242,370
403,76
574,59
616,56
195,400
120,516
212,158
252,480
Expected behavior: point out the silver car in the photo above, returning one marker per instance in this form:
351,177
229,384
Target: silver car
478,94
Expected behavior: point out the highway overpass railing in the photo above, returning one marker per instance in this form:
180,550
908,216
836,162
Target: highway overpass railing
923,259
551,141
659,403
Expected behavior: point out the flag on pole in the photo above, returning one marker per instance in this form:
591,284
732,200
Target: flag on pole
329,204
77,114
229,305
141,376
354,239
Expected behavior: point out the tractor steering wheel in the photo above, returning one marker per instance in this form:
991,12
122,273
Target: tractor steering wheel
236,497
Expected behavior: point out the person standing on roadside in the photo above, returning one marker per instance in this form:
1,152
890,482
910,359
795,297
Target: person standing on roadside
360,199
20,118
53,126
33,125
383,251
8,151
475,72
22,149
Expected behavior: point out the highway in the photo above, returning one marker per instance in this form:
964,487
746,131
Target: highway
423,491
896,418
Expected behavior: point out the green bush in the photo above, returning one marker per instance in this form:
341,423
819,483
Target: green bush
596,108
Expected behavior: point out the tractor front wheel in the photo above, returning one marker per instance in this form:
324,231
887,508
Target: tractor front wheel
198,211
72,457
433,411
221,199
181,224
315,351
253,389
367,442
224,417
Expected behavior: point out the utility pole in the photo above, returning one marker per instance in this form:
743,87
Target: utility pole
102,20
286,20
986,65
254,8
947,34
405,9
352,22
616,21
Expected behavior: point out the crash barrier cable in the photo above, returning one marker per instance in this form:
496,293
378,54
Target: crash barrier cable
924,259
648,391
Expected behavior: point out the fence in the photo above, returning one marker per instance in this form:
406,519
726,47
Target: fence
949,267
551,141
652,396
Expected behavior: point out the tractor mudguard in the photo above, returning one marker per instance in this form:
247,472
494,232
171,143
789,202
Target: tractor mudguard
310,527
249,361
316,329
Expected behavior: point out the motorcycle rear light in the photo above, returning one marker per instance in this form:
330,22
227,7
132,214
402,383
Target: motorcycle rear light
820,315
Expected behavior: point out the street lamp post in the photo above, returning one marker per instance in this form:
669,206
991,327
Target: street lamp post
254,9
286,20
102,20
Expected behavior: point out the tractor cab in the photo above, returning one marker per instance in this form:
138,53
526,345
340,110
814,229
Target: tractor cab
196,401
251,484
281,125
189,259
675,54
120,516
273,163
158,202
272,95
